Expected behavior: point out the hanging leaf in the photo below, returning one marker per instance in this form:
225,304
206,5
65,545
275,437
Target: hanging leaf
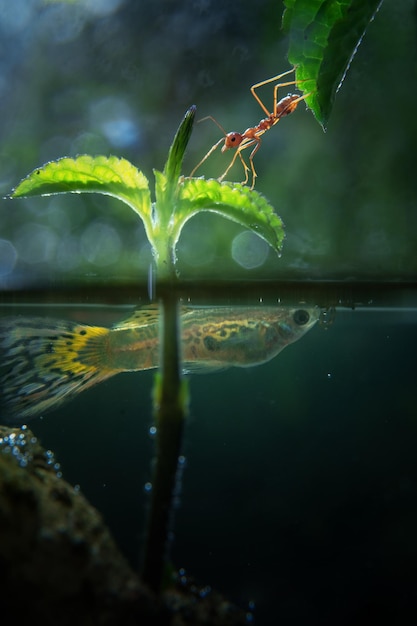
324,36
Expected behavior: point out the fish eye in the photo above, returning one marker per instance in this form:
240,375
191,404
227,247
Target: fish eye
301,317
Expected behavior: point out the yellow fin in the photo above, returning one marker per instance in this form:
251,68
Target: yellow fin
145,316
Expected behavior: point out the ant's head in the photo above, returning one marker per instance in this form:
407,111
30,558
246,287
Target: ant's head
232,140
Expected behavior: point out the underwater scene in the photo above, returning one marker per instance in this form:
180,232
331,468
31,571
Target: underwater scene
297,496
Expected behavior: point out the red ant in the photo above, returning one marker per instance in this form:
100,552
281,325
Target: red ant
252,136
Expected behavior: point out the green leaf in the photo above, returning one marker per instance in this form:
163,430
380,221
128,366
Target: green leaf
86,174
164,203
324,36
172,169
177,199
233,201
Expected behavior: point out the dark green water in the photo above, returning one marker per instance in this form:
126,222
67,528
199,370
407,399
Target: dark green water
300,487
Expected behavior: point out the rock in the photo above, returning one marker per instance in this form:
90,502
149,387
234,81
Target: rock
60,565
58,561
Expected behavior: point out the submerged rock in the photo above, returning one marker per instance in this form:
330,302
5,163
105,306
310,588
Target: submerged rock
59,563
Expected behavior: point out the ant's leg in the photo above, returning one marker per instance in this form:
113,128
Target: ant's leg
252,154
232,162
303,97
242,146
245,167
266,82
212,149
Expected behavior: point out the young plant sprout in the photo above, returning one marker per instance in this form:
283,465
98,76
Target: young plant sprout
252,135
176,200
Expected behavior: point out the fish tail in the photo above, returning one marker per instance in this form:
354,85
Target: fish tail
44,362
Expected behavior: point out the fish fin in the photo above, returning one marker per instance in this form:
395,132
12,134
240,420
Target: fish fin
146,316
141,317
191,367
44,362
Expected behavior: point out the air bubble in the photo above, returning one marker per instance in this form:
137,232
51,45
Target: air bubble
49,457
148,487
204,591
182,576
16,444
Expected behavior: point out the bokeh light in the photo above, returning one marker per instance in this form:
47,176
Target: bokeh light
100,244
36,243
114,119
249,250
8,257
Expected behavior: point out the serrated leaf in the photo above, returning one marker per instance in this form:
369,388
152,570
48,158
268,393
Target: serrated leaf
177,199
86,174
233,201
324,36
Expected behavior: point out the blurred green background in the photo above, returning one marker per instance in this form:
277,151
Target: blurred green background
116,76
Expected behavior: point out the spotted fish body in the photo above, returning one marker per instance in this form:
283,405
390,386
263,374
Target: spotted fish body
44,361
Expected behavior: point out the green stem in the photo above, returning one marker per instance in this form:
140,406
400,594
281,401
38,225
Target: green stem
169,412
170,400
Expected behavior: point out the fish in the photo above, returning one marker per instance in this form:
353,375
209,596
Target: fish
45,361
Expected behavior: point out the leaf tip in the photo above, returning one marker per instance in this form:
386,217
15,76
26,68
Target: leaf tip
173,165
